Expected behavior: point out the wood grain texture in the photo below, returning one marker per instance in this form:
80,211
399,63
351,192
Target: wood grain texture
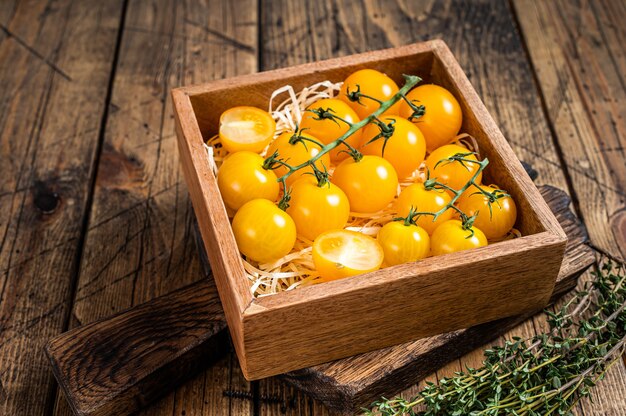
119,364
217,40
173,338
55,62
272,334
581,72
138,244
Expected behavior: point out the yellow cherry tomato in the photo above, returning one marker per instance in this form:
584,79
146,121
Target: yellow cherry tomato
242,178
442,119
454,174
370,184
296,151
342,253
403,243
373,84
405,148
450,237
416,196
316,209
328,130
495,222
246,128
263,231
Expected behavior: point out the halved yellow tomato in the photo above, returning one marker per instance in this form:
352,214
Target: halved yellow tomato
342,253
246,128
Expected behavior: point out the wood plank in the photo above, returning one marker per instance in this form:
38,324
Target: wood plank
55,64
139,244
151,357
580,71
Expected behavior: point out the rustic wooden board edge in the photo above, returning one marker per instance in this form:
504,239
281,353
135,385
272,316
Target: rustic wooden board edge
102,372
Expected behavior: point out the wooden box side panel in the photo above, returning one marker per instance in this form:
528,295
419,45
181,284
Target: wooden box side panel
402,307
217,235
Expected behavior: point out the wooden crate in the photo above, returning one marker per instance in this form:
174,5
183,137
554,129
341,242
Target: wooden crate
312,325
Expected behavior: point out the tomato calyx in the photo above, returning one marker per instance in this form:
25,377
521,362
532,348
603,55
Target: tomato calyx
272,161
462,158
284,201
297,137
418,110
467,223
322,177
411,218
356,95
386,131
322,113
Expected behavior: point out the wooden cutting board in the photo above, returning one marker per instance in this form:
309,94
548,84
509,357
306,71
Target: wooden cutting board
123,363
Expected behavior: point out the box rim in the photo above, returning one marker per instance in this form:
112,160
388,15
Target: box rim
183,99
249,306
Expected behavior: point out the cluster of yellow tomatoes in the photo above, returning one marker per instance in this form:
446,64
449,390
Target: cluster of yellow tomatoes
359,176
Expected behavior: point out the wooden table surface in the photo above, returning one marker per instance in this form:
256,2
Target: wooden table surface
95,215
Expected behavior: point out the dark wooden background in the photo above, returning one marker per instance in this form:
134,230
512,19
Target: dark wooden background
94,213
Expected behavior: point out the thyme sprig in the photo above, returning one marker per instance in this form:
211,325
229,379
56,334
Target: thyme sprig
545,375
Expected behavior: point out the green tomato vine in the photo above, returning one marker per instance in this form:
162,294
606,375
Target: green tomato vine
386,131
